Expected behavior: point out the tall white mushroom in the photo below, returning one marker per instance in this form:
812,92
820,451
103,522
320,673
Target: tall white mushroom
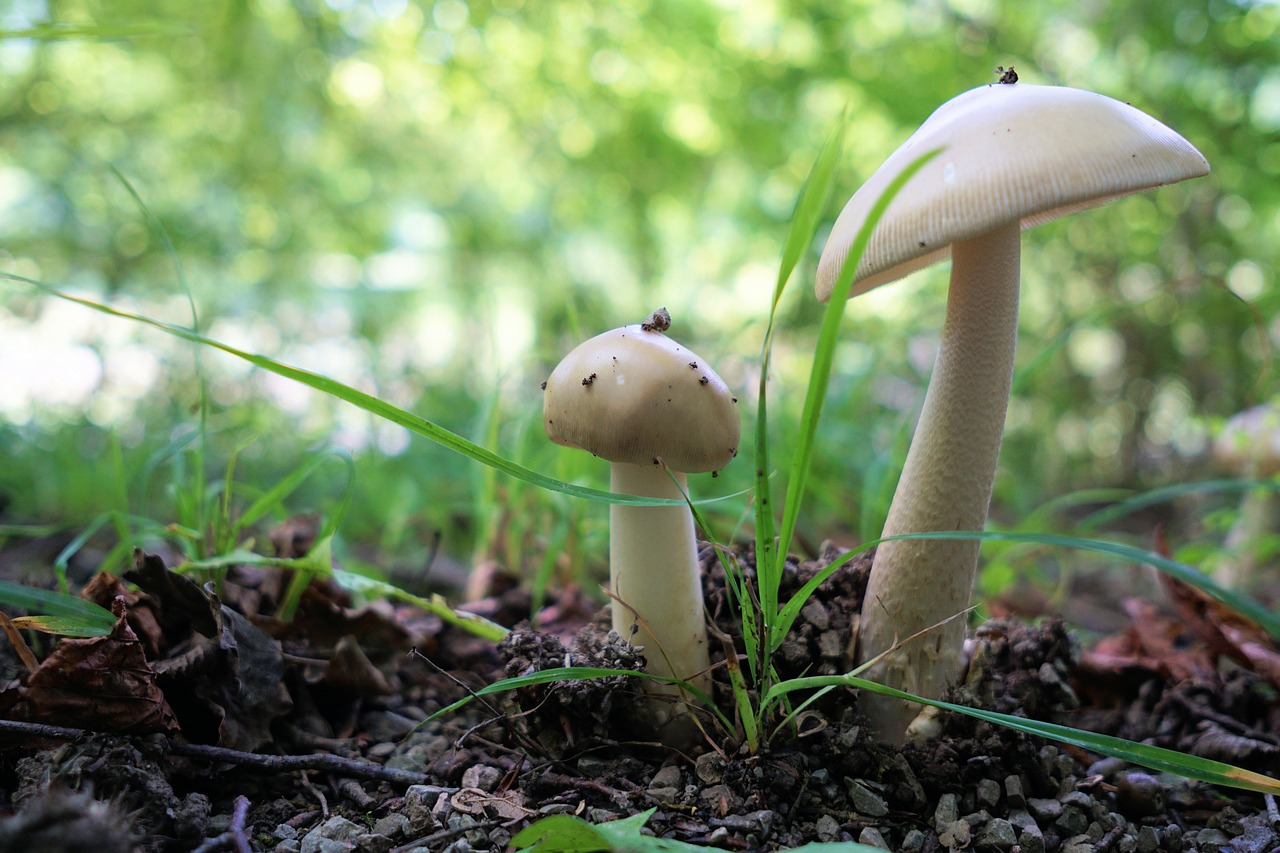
648,405
1014,156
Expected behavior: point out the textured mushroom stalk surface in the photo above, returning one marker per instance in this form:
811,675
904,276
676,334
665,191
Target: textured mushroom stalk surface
1012,157
654,580
946,482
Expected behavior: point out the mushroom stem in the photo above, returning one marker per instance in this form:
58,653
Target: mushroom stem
945,485
654,577
1256,517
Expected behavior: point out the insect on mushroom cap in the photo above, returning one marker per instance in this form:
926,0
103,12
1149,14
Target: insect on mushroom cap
643,403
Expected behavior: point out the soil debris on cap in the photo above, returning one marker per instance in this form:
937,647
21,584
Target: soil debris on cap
659,321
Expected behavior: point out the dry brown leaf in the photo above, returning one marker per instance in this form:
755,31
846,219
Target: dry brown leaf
100,683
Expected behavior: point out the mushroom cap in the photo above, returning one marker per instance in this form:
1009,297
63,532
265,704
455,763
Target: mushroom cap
1249,444
1012,153
635,396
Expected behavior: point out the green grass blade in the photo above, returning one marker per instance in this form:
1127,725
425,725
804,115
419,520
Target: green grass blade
813,201
319,562
84,617
1165,494
579,673
33,531
733,581
101,32
1187,574
814,197
368,402
820,376
1269,621
63,560
283,487
1157,758
470,622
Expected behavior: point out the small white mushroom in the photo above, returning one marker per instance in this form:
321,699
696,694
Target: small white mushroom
1014,156
646,404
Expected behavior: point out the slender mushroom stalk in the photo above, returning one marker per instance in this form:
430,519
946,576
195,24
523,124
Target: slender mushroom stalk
654,577
654,410
1014,156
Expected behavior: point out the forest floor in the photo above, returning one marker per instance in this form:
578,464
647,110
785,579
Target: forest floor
233,731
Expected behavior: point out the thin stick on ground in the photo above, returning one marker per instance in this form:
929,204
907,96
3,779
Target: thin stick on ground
269,763
234,838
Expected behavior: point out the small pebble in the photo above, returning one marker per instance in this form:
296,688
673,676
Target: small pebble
334,835
871,837
1107,767
946,812
1031,839
956,836
1071,822
827,829
666,777
481,776
371,842
997,835
913,841
1139,795
987,793
710,768
419,808
392,825
1045,810
1212,840
1148,840
1078,844
1013,792
866,801
1079,799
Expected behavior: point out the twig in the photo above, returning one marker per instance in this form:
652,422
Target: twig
289,763
269,763
351,789
234,838
443,835
315,792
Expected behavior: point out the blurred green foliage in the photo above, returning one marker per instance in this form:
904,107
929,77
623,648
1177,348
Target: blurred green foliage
434,200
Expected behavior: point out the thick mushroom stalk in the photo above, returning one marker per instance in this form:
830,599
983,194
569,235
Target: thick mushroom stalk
946,482
1013,156
654,410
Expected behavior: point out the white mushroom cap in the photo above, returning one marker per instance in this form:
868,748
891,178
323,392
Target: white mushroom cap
1249,443
1013,153
637,397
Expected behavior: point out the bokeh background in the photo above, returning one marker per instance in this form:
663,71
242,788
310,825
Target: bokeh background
433,201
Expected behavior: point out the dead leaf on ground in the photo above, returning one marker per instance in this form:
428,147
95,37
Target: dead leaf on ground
1226,632
100,683
227,674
